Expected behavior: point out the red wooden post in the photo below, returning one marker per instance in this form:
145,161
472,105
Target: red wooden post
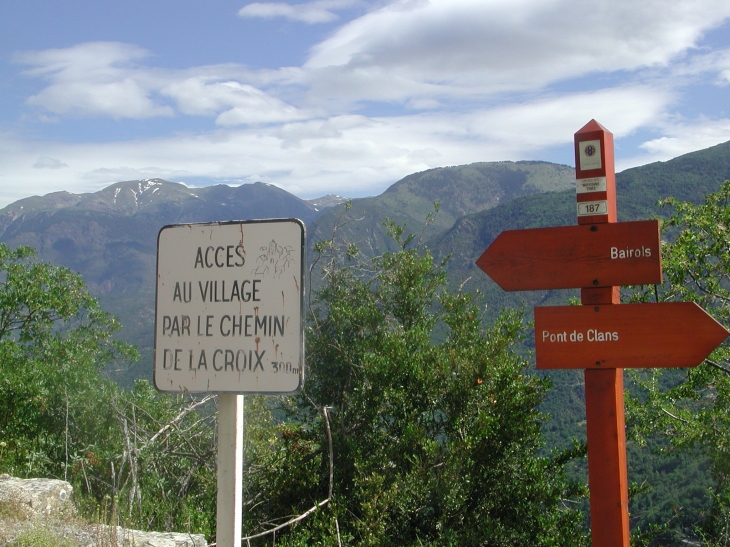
595,174
604,388
598,255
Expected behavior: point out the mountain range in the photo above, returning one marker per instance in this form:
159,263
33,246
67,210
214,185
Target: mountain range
109,236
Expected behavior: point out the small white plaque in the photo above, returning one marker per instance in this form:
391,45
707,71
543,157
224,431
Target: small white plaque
589,153
591,208
593,184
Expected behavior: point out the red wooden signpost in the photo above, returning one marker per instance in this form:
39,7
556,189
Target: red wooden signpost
670,334
567,257
598,256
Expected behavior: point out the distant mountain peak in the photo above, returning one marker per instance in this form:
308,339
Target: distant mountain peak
131,196
325,202
161,202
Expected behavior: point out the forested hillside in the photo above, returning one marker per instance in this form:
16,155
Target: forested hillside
687,178
460,191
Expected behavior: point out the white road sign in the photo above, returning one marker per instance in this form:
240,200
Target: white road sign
228,314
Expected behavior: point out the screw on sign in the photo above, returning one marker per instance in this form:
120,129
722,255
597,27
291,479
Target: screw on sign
598,256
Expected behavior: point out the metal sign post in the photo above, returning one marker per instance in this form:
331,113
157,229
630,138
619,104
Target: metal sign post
229,319
230,470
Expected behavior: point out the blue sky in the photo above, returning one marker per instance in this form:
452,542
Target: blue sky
346,96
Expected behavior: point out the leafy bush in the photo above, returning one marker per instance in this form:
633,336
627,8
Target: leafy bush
135,456
434,425
690,408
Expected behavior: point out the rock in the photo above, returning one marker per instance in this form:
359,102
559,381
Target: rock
29,498
27,503
116,535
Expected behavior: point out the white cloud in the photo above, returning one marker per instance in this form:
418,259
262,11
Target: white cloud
44,162
712,61
422,54
627,108
715,62
94,78
318,11
349,154
101,78
489,46
105,174
237,103
678,138
465,81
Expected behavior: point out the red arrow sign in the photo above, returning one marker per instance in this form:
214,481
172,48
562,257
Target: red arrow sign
670,334
565,257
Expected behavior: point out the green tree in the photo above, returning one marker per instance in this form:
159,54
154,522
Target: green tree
54,340
433,420
691,408
155,467
137,457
